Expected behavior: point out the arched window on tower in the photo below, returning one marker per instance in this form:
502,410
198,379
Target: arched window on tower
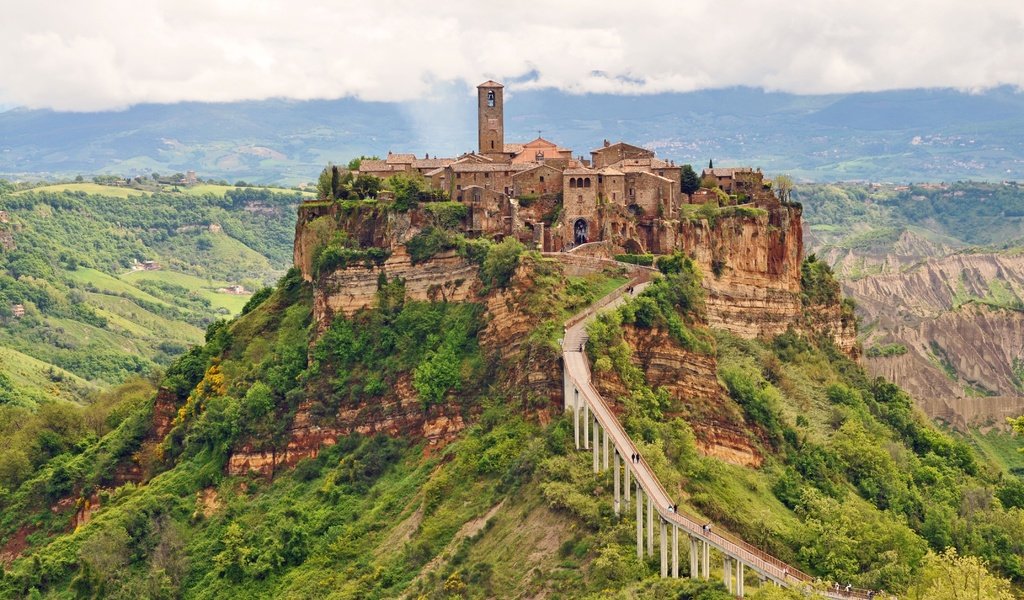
490,98
586,182
572,182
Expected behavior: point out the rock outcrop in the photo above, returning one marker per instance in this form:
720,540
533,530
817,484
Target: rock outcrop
398,414
445,277
692,381
956,331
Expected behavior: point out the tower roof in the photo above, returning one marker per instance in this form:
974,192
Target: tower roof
490,83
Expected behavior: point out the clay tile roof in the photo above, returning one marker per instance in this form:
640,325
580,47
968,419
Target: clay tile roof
726,171
514,148
472,167
436,171
374,165
617,144
473,156
534,166
400,158
610,171
579,171
490,83
431,163
540,142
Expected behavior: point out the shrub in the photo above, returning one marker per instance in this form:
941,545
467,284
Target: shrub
645,260
448,215
432,241
500,263
886,350
818,283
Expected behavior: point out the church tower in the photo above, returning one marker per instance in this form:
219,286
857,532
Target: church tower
491,125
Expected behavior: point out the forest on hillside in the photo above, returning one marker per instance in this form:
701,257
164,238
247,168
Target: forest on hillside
97,288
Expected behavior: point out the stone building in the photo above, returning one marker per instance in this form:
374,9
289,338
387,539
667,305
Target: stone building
537,192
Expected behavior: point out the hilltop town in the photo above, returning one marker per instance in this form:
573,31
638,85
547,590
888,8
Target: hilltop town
541,194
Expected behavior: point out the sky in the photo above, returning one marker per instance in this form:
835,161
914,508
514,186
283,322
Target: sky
88,55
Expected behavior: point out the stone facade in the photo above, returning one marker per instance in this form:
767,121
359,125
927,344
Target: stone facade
623,194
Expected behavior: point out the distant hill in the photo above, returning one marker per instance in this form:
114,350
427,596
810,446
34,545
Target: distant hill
909,135
98,283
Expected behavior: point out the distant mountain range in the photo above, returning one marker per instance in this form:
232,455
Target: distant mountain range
898,136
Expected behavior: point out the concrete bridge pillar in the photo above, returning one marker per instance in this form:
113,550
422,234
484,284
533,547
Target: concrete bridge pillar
739,578
615,474
650,525
605,438
586,425
639,521
664,548
694,563
727,573
705,560
675,551
626,476
576,415
597,447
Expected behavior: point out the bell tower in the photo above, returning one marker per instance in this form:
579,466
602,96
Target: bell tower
491,124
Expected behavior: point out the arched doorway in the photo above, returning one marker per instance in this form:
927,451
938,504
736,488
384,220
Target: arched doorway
580,231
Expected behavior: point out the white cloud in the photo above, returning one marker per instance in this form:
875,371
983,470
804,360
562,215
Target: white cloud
103,54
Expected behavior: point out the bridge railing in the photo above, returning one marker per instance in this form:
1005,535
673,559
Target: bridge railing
755,557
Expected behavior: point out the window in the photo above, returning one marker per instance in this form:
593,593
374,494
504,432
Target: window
542,179
572,182
490,102
487,175
458,175
458,187
615,195
631,192
492,143
586,182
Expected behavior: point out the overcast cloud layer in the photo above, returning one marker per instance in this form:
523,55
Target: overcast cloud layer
107,54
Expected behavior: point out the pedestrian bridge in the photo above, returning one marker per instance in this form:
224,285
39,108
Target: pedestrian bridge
597,429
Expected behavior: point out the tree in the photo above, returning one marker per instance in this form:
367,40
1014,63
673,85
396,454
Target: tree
711,163
689,181
1018,426
949,576
783,187
107,552
366,186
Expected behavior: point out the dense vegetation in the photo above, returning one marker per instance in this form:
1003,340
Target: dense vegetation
856,485
865,217
88,318
859,486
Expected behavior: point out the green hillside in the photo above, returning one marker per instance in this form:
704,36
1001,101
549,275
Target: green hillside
93,315
855,486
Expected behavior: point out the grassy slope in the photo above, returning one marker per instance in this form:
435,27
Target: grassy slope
505,510
103,235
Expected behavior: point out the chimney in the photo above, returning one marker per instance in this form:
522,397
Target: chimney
607,143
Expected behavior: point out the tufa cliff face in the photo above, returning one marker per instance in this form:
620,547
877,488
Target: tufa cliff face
751,264
446,277
751,267
955,333
691,379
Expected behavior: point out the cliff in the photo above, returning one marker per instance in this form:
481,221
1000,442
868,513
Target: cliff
751,260
445,277
692,381
950,331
